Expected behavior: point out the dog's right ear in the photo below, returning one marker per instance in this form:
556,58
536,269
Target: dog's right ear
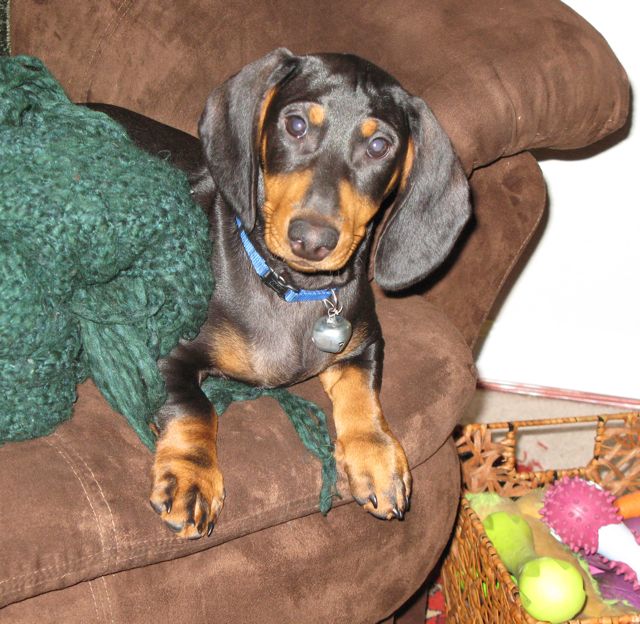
431,208
229,129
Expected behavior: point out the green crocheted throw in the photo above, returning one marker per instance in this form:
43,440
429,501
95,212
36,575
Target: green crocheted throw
104,266
103,259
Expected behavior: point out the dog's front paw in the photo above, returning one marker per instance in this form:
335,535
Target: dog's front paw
378,473
188,489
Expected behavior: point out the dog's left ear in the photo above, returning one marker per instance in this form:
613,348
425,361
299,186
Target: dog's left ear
431,207
229,127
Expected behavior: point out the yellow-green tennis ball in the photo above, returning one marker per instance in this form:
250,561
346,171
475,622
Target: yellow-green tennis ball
551,590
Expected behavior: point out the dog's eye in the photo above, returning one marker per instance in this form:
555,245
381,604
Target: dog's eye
378,147
296,126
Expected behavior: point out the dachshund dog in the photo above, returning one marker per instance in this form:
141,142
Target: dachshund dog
301,152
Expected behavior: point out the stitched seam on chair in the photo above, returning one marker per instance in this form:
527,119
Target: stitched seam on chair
106,591
169,540
202,601
70,463
95,603
86,558
51,567
67,459
514,115
93,476
160,552
156,542
111,28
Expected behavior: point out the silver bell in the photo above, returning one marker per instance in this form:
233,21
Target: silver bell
331,333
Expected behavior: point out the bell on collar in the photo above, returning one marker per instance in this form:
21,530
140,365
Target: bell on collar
331,333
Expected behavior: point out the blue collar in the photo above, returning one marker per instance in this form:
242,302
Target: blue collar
275,281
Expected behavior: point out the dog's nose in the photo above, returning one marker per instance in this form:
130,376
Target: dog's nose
312,241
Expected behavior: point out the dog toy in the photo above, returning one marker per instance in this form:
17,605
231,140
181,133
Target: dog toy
585,518
614,587
550,589
629,505
545,545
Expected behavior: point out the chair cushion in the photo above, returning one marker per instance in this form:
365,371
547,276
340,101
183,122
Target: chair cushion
500,76
346,568
75,503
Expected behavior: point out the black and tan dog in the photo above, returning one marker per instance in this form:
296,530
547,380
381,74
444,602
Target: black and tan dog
301,152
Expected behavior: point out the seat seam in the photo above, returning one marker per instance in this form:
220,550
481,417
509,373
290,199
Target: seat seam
84,489
106,591
95,603
95,480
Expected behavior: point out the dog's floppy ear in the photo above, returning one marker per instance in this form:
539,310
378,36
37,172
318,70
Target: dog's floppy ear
229,127
431,207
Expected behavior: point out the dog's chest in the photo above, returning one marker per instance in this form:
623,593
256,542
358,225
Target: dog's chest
266,342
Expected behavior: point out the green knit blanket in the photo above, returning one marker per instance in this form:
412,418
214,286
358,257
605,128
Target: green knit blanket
103,259
104,266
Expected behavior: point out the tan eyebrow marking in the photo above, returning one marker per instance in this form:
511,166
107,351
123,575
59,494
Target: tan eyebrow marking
316,114
368,127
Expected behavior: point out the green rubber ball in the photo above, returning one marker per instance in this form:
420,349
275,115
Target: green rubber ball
551,590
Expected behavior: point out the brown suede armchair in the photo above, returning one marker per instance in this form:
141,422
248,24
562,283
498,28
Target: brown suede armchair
79,542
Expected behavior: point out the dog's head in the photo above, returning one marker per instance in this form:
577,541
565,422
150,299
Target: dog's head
312,146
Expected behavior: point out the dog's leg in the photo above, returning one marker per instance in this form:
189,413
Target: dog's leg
188,490
369,453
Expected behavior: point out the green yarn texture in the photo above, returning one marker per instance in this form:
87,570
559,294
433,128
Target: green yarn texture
104,259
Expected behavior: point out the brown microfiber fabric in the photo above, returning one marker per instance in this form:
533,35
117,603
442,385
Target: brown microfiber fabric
343,568
509,201
84,489
500,76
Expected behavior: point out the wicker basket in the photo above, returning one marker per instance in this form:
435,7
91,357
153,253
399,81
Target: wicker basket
477,587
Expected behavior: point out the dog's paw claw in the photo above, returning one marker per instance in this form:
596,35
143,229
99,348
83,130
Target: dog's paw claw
398,513
156,507
176,528
188,490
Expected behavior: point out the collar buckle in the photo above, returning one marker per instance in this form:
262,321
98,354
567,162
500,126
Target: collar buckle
277,284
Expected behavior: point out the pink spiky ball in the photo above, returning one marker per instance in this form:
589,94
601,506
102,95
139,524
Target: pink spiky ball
575,509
